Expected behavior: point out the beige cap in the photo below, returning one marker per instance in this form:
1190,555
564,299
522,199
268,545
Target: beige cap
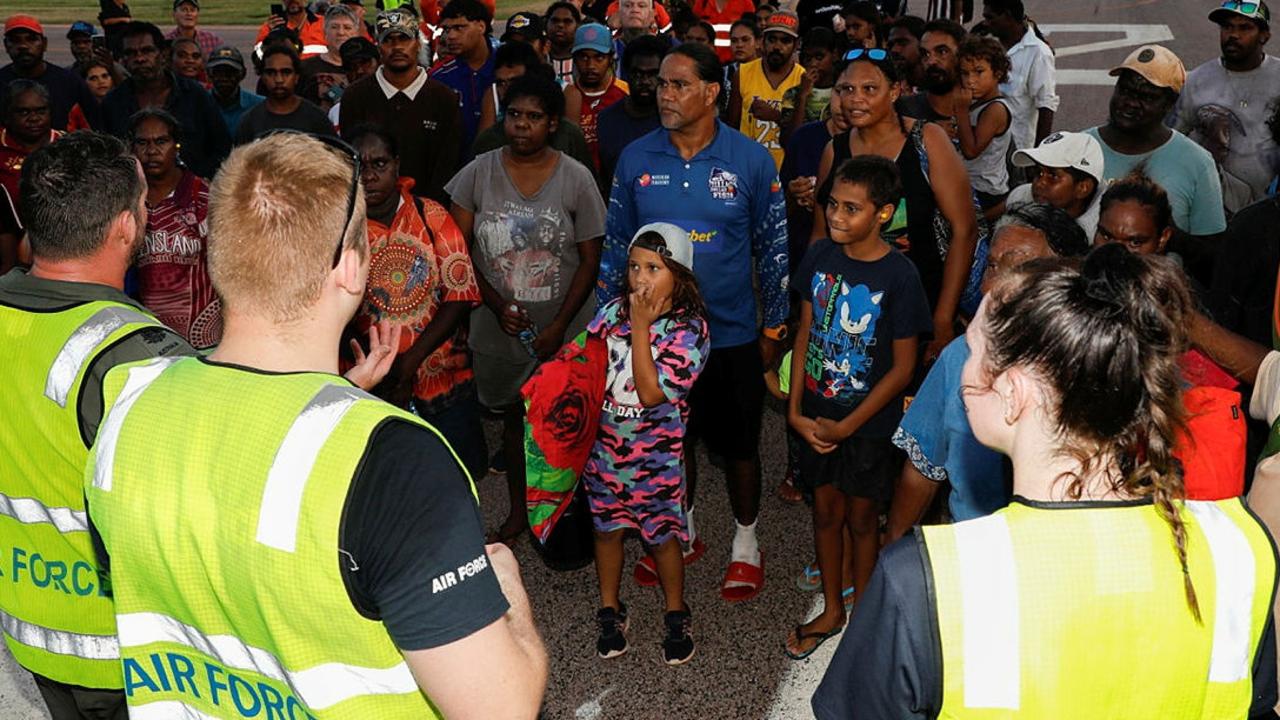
1157,64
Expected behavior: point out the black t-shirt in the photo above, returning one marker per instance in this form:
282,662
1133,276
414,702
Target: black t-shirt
917,106
1244,275
817,13
411,526
859,309
9,222
258,121
315,69
889,662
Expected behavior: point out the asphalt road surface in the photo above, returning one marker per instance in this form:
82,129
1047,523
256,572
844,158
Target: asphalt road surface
739,670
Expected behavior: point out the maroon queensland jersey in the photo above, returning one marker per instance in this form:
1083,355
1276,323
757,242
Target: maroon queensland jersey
173,278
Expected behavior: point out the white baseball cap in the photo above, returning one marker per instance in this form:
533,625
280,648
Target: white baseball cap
1066,149
678,246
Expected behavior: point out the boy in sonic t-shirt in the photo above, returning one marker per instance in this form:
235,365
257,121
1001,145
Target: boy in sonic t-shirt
863,309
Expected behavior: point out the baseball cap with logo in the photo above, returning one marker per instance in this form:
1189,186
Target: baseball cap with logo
783,21
226,56
593,36
357,48
81,27
396,21
1256,11
526,25
1157,64
1066,150
23,22
678,248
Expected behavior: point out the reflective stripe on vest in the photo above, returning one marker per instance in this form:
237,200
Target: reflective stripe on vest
1233,567
31,511
140,378
989,587
294,460
319,687
78,348
60,642
168,710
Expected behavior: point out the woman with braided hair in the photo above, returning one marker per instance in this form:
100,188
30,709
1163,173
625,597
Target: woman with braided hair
1099,592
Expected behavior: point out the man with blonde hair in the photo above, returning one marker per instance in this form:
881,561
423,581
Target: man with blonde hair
278,539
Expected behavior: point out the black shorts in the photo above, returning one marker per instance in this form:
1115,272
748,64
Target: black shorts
727,401
860,467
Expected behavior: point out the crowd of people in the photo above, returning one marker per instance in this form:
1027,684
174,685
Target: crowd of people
1013,363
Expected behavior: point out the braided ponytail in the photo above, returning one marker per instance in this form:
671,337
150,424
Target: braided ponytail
1107,337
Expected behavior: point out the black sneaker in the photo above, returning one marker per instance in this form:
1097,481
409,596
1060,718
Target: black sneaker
613,632
677,647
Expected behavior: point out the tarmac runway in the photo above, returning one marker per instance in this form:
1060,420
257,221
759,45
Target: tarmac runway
740,670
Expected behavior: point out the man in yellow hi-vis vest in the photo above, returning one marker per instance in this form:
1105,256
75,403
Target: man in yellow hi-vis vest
280,542
63,325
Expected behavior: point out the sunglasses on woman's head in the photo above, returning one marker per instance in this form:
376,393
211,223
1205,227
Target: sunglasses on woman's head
875,54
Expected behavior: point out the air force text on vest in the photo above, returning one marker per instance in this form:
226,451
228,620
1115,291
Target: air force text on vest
170,672
75,577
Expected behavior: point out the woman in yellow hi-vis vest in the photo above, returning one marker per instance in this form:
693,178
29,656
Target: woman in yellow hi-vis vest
1098,592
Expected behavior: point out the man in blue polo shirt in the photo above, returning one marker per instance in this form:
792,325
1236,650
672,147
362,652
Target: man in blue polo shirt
701,175
465,28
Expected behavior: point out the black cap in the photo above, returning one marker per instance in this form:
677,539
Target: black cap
525,24
176,3
358,48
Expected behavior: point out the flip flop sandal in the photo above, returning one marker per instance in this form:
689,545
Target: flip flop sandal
809,579
788,493
646,572
847,596
748,580
801,636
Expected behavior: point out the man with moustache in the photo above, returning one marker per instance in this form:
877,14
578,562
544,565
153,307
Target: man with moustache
1224,103
421,113
755,100
904,39
205,139
940,73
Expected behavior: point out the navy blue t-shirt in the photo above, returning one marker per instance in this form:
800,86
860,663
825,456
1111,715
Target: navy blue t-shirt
804,152
615,129
859,309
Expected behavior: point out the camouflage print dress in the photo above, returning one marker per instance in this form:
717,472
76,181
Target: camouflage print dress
635,476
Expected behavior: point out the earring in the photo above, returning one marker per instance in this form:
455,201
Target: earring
177,146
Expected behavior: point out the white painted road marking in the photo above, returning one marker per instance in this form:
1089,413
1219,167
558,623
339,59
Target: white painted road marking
1134,35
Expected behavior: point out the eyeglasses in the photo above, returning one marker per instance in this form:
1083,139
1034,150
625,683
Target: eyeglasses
874,54
345,150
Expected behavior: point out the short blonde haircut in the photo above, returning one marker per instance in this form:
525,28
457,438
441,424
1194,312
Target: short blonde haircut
275,212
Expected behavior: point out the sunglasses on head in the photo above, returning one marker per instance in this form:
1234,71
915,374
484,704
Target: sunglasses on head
874,54
1244,7
348,152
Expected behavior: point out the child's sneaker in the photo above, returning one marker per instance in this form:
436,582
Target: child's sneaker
613,632
677,647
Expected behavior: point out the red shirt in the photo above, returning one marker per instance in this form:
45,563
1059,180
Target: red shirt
722,20
173,275
592,105
12,156
415,265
